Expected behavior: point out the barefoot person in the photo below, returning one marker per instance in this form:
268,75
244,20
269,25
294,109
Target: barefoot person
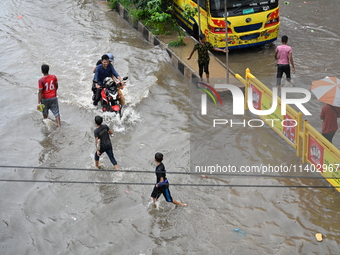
47,94
284,56
162,185
203,55
103,142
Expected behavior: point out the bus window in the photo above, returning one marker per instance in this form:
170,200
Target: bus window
217,8
203,3
216,5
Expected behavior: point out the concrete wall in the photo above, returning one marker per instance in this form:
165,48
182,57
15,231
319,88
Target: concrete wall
176,61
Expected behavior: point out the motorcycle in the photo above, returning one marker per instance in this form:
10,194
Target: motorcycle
110,97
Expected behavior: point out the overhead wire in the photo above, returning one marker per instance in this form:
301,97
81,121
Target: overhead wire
173,184
172,172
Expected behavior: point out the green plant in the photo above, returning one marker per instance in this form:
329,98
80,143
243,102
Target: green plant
139,14
156,14
155,6
189,11
140,4
158,19
112,4
178,43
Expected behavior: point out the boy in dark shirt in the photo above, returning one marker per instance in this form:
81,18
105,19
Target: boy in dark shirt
162,185
103,142
203,55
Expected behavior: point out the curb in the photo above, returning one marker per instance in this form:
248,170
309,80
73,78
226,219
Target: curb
177,62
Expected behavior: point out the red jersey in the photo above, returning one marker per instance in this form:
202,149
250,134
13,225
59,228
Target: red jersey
48,86
330,123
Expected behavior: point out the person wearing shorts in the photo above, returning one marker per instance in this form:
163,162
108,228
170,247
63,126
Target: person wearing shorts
203,55
162,184
47,95
284,56
103,142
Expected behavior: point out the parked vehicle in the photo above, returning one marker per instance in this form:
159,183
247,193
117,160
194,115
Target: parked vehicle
250,23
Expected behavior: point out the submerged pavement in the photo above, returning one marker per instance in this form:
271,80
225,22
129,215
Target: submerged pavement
189,68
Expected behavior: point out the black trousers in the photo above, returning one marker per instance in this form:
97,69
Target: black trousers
96,94
329,136
280,70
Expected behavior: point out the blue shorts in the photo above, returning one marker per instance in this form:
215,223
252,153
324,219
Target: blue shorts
51,104
157,192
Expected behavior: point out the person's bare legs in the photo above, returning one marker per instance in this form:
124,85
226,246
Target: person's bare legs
154,201
122,98
97,164
278,90
178,203
278,83
116,167
207,78
58,121
173,201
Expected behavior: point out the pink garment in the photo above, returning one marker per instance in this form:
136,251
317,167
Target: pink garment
283,54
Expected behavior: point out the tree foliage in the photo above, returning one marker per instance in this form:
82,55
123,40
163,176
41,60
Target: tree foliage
189,11
155,14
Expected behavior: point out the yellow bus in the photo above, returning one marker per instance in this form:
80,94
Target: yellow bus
250,22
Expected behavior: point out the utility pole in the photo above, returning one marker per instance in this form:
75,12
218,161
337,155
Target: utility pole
226,38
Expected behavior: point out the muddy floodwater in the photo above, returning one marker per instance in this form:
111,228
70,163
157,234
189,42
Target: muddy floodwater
84,211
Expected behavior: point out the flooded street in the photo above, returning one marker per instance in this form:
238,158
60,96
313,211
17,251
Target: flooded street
90,211
313,37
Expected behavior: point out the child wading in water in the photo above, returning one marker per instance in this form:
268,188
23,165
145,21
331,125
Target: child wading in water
103,142
162,185
284,56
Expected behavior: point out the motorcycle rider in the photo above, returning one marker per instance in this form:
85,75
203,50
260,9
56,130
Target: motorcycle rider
111,59
94,89
105,69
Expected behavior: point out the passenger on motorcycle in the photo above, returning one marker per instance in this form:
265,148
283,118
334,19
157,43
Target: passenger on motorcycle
105,69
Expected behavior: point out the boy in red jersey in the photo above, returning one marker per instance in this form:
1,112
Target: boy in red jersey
47,95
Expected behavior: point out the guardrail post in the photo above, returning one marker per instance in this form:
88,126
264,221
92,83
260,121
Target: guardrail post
299,137
246,90
304,142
